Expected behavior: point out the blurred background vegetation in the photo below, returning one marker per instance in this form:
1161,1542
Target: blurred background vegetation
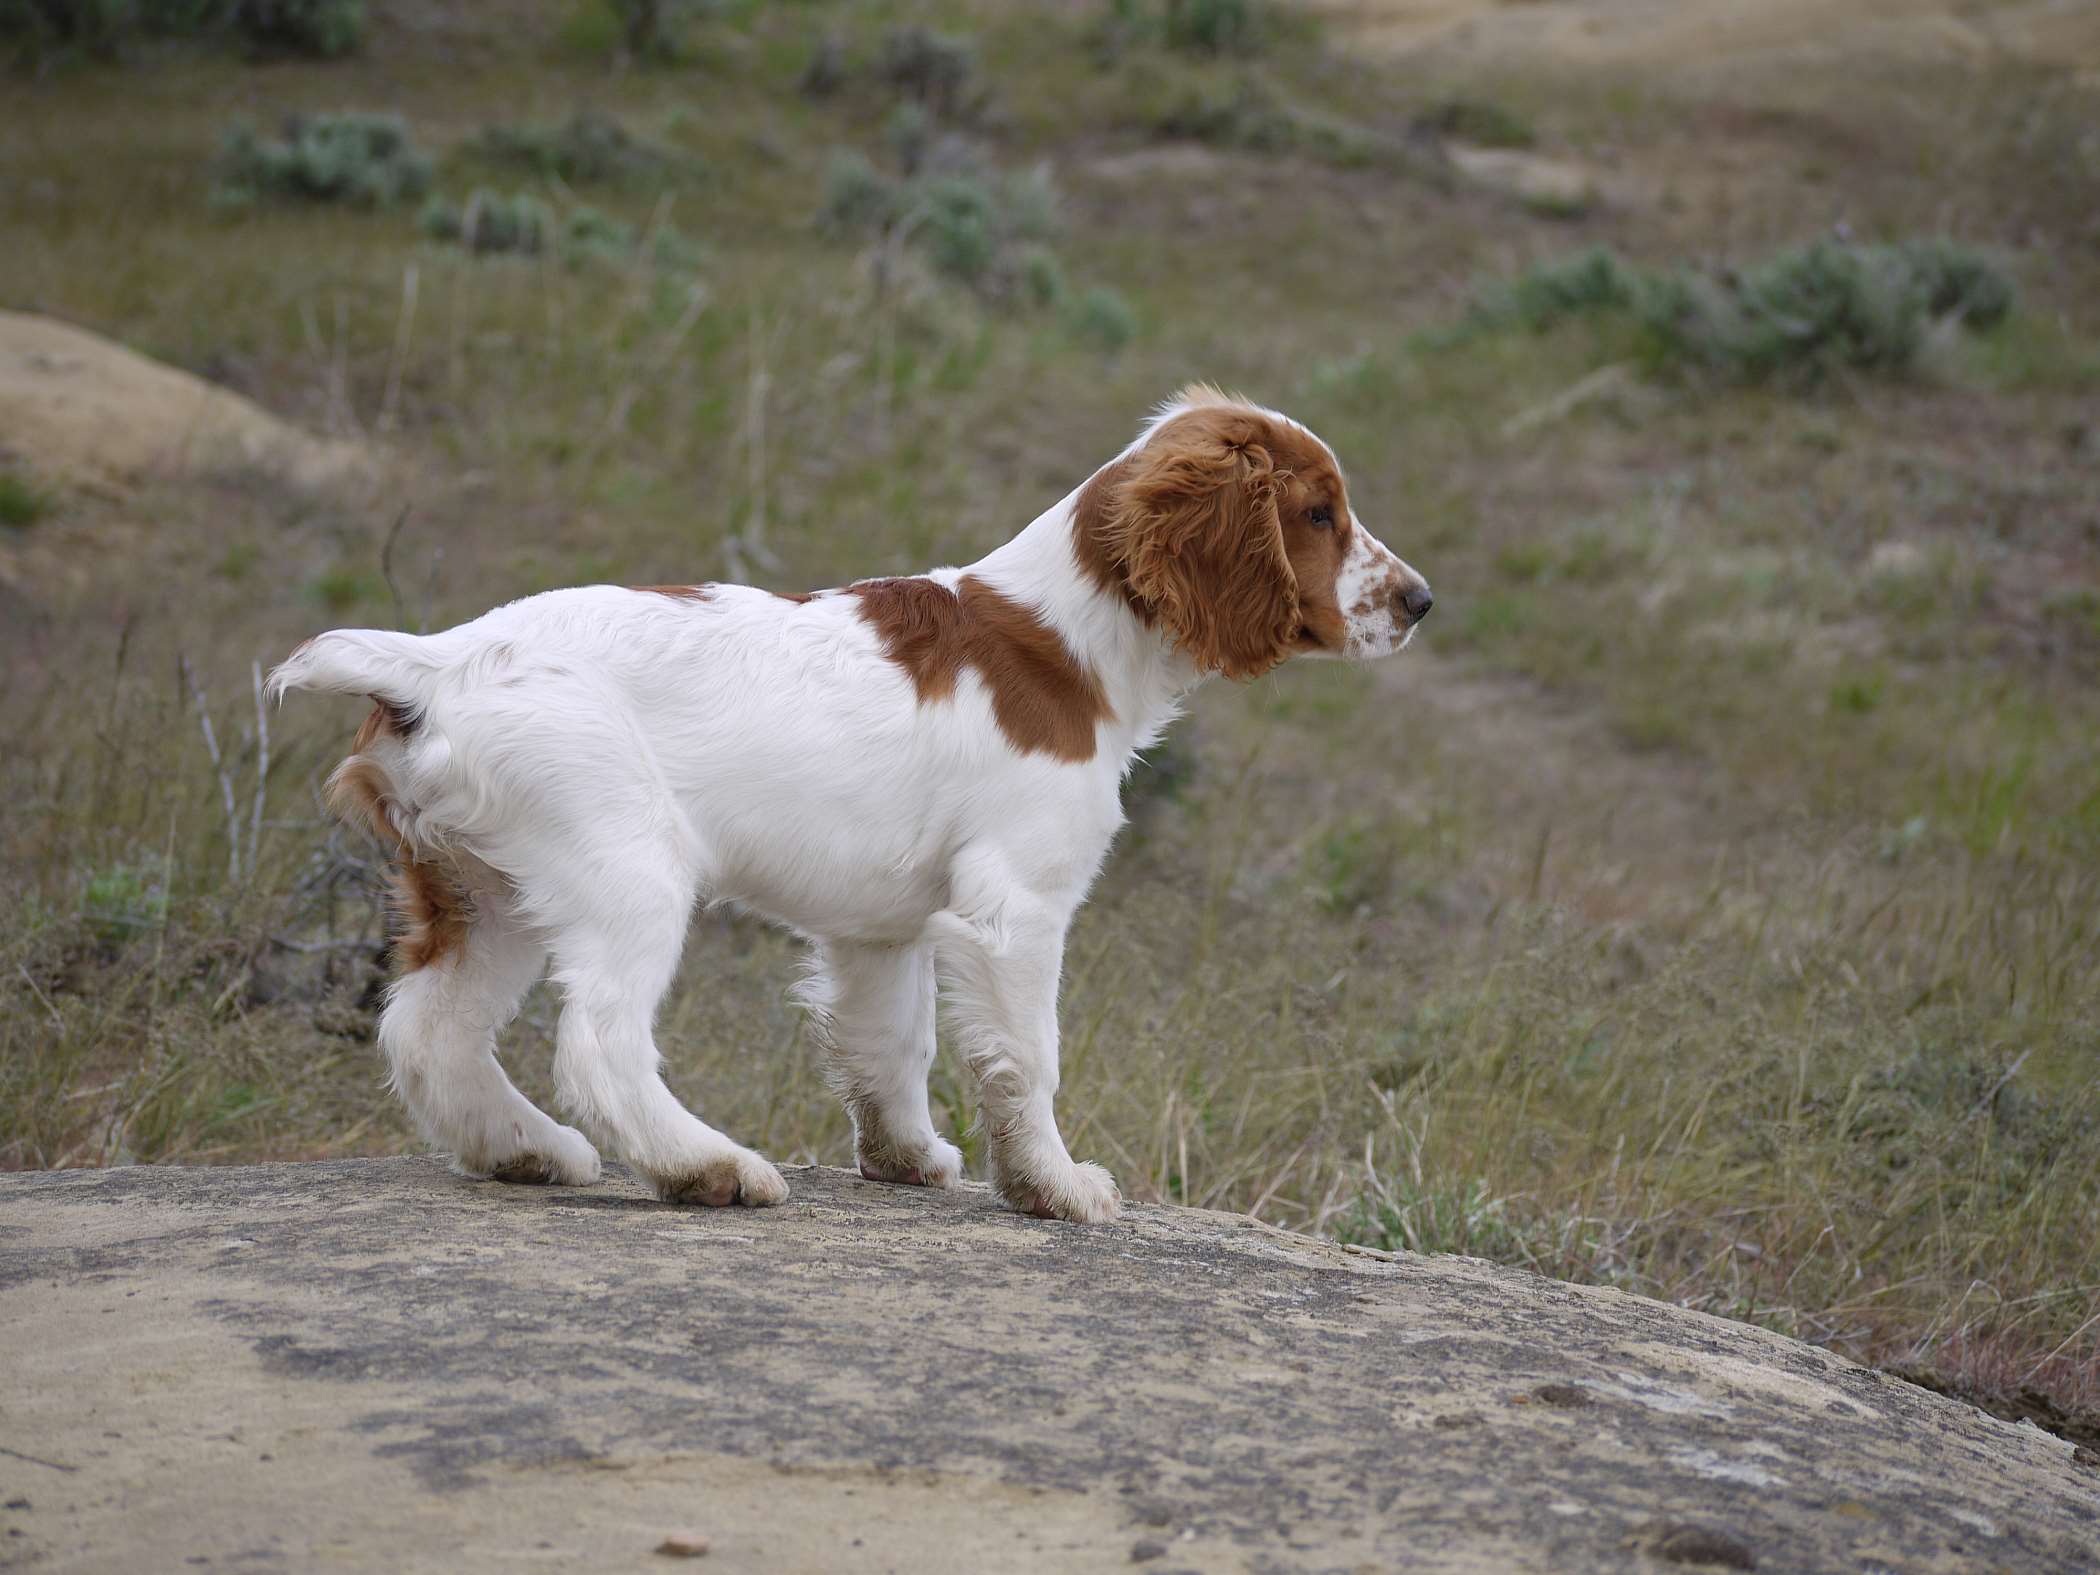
1708,904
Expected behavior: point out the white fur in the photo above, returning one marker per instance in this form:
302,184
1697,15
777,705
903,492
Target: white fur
618,755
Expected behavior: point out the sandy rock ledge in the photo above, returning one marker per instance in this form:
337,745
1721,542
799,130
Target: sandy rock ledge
375,1365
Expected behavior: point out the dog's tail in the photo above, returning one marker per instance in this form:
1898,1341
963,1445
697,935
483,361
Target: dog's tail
385,783
393,668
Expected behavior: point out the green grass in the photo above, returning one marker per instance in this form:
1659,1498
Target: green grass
22,502
1704,906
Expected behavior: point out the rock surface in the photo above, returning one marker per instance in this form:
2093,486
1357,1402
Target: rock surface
377,1365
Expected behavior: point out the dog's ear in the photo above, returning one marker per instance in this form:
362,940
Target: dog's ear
1193,527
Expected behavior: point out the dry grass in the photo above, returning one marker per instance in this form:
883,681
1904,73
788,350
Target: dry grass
1707,907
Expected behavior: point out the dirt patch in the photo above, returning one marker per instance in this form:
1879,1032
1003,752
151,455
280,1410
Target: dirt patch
81,411
1698,33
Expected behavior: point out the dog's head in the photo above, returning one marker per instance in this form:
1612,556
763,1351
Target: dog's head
1230,526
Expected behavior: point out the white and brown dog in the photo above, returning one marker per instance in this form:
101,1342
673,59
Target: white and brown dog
918,775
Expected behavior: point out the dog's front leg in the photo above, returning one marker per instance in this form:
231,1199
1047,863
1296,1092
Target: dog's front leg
1000,970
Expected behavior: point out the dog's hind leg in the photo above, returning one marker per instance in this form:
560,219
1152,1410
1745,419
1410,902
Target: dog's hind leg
873,1007
617,922
466,963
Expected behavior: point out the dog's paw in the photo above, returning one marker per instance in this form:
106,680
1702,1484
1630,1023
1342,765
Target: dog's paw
1083,1194
936,1163
564,1158
736,1176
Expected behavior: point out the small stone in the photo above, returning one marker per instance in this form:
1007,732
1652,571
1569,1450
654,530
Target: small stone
683,1545
1145,1552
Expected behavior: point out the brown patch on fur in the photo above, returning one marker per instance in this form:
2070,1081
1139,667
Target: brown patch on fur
434,913
797,597
431,908
1093,515
684,593
1044,699
1212,528
387,720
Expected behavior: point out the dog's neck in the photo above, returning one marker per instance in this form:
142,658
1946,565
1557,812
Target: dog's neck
1145,677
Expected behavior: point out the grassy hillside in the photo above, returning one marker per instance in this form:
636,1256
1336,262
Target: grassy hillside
1709,902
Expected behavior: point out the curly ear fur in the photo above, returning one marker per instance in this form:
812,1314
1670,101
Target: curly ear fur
1195,531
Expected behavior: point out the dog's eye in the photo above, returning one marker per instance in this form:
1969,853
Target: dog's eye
1322,517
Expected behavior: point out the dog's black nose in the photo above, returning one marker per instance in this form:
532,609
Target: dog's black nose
1418,602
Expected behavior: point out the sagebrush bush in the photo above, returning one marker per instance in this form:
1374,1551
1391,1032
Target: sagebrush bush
1215,27
323,29
1244,112
22,502
1102,318
589,148
826,72
935,69
984,229
1590,281
857,195
366,161
1208,27
1955,280
1481,122
1240,113
490,221
1042,277
1798,315
521,224
909,131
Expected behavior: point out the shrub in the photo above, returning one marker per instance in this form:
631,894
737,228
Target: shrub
983,229
1481,122
1590,281
1042,277
125,899
1203,27
1801,312
857,196
649,27
491,222
826,72
588,148
933,68
1241,113
325,29
960,222
1102,318
1956,281
367,161
22,503
909,132
1797,315
1244,112
1215,27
